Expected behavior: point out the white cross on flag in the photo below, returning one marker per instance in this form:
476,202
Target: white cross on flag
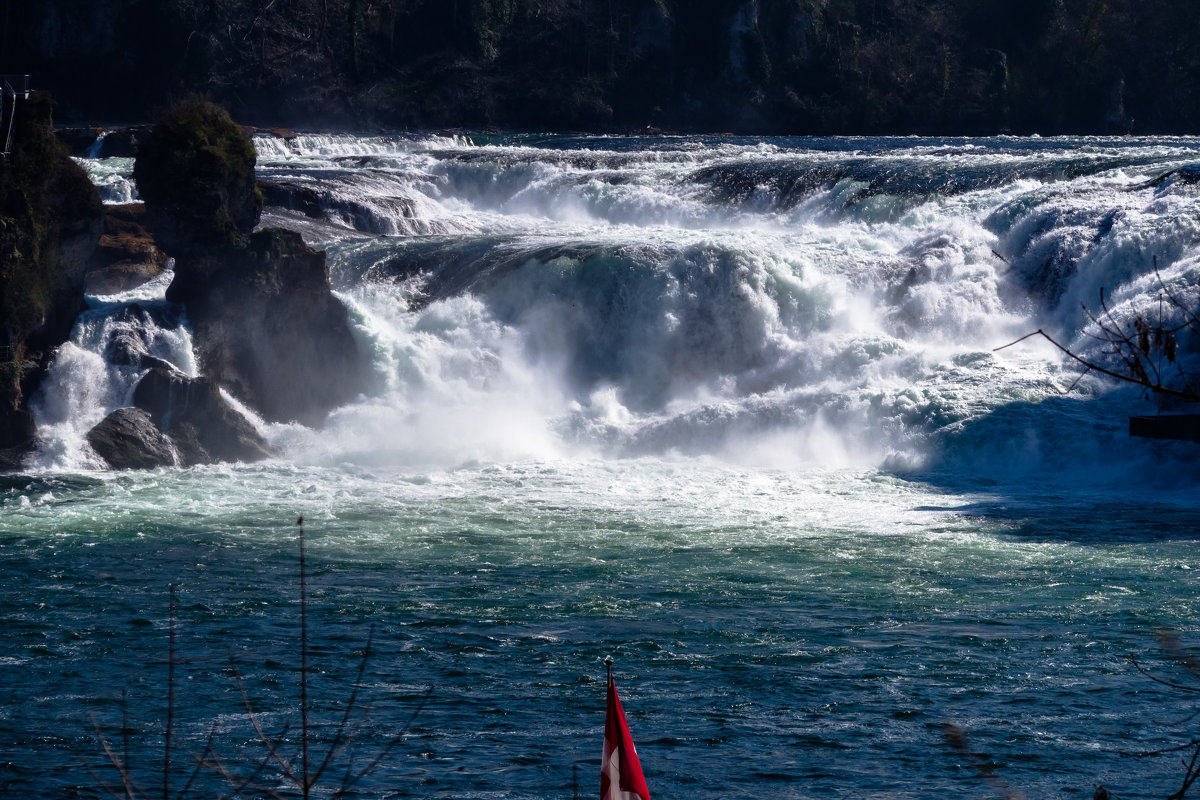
620,772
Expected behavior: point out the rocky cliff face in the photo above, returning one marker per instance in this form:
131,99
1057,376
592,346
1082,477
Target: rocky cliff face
267,326
127,255
50,221
265,323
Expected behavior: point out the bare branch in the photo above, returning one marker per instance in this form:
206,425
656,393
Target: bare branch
339,744
1142,381
115,758
1180,686
272,751
956,737
391,745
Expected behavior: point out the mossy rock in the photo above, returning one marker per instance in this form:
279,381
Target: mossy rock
195,172
50,220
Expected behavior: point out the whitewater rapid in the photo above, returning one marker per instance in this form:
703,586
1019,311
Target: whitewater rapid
831,302
728,410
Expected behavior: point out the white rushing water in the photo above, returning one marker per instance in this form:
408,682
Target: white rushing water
730,410
780,303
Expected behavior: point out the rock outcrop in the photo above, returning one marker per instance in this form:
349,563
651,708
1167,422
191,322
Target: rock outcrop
267,326
50,222
128,439
191,411
265,322
195,173
131,340
127,255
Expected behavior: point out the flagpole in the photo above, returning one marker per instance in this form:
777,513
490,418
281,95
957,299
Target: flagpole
620,771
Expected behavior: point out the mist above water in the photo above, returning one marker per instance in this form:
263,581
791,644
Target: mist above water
783,302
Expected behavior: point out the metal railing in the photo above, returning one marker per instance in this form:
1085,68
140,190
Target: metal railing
19,84
14,88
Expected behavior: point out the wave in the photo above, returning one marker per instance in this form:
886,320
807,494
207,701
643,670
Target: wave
789,301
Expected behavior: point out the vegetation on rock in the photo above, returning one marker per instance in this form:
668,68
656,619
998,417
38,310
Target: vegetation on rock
50,221
195,172
266,323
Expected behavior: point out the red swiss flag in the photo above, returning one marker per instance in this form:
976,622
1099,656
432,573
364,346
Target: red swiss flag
620,772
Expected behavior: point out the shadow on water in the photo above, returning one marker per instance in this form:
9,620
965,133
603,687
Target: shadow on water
14,484
1066,468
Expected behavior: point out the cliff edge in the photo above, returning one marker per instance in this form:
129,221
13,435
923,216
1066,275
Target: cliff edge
50,221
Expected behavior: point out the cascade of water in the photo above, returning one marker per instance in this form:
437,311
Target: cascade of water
829,299
114,342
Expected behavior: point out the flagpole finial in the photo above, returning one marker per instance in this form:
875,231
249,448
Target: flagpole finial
608,661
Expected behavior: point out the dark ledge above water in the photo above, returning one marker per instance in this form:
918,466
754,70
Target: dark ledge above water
1185,427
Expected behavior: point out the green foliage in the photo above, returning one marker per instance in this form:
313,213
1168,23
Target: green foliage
45,199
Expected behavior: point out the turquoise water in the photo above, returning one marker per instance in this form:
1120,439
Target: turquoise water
775,634
727,410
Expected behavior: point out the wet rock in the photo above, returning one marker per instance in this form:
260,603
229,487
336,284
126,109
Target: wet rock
267,326
132,336
127,255
121,277
265,322
128,439
294,197
203,426
126,348
50,221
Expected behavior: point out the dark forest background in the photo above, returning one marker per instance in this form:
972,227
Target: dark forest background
749,66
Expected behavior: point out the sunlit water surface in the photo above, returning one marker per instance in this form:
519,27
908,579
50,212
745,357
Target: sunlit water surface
726,410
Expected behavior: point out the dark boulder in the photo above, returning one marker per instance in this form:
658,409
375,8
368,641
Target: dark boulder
131,335
267,326
294,197
204,428
122,142
128,439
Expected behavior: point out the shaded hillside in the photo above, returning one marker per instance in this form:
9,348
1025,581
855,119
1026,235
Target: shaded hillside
781,66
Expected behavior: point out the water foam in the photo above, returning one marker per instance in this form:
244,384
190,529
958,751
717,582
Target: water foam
114,342
791,301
